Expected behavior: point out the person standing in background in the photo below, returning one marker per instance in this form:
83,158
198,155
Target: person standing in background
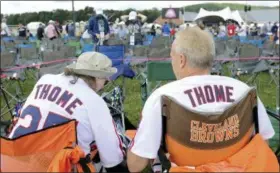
5,31
166,29
22,31
40,32
231,29
51,31
153,31
222,30
242,31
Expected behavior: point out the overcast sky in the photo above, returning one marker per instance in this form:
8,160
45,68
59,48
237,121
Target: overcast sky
10,7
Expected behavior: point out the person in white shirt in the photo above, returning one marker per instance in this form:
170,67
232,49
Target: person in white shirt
242,30
5,31
192,55
222,30
73,95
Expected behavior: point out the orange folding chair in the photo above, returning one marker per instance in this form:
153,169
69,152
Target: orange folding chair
53,149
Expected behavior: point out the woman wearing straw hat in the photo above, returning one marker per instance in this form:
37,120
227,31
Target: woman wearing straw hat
73,95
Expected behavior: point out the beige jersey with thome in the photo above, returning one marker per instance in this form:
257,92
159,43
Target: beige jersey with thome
205,94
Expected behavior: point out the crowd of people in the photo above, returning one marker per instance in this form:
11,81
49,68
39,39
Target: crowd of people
243,29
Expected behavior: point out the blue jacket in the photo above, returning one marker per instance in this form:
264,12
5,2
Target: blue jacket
93,27
166,29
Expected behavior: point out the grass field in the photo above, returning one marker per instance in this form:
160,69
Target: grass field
133,102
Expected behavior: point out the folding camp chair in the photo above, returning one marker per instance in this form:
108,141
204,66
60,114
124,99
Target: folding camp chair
249,67
28,56
159,42
69,52
87,47
75,44
157,71
11,83
232,47
116,54
115,41
181,127
55,61
268,48
53,149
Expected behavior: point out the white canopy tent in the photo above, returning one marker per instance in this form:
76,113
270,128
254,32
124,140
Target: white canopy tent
236,17
224,14
33,26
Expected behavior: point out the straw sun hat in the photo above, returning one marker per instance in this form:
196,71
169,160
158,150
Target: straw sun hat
93,64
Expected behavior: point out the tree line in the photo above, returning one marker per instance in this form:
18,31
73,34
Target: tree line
84,14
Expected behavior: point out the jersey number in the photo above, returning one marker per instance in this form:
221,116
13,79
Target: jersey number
33,114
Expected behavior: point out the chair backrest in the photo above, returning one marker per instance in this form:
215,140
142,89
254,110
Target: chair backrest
160,71
53,69
220,47
248,50
7,59
159,42
268,45
68,52
52,55
28,53
9,44
277,50
115,53
208,138
35,152
140,51
159,53
114,41
232,44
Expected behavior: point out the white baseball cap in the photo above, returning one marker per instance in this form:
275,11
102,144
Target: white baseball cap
132,15
93,64
99,11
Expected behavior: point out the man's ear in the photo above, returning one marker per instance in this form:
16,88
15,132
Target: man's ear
183,61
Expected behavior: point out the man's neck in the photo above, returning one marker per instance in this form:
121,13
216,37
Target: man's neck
196,72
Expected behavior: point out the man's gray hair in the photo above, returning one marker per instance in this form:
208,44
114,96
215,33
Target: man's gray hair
197,46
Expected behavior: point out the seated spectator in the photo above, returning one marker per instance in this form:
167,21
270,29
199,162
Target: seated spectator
196,112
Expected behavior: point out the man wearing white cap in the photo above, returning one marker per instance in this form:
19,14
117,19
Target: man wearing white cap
55,99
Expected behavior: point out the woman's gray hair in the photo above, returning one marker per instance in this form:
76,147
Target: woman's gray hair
91,81
197,46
